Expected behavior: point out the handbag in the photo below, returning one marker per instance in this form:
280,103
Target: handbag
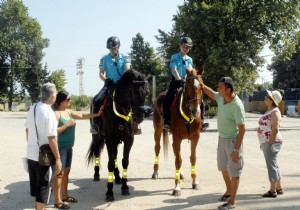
46,156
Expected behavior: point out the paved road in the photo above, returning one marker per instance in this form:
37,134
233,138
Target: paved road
155,194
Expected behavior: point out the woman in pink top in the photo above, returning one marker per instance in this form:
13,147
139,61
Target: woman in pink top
270,141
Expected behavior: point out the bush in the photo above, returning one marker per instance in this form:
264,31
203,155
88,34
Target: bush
79,102
212,111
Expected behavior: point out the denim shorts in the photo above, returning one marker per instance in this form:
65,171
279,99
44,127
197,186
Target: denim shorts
66,155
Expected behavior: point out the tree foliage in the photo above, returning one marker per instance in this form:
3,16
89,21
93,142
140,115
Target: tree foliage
145,60
229,35
21,46
58,77
286,72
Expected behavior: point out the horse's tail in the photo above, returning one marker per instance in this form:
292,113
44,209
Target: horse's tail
165,143
96,148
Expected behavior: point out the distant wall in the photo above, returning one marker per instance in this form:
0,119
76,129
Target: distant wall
17,107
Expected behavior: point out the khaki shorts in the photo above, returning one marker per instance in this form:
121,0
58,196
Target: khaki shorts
225,148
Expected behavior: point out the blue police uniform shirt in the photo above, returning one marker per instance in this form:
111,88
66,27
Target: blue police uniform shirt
180,64
114,69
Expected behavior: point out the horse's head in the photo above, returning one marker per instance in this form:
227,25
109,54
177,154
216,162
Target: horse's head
138,93
193,92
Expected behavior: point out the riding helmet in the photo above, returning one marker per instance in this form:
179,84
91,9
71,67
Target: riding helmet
187,41
112,42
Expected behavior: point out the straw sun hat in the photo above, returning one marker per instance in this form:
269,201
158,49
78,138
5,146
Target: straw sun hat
275,96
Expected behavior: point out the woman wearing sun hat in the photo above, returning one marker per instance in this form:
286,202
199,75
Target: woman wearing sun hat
270,141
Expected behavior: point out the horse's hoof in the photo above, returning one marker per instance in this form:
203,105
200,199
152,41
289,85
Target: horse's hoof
109,198
118,181
176,193
181,177
125,192
154,176
196,186
96,178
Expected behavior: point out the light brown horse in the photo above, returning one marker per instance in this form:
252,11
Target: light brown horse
186,123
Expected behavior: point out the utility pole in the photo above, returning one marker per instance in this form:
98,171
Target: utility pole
79,66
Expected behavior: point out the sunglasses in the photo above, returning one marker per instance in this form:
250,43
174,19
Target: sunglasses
68,99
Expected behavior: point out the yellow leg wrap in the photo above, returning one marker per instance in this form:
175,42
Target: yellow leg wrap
110,177
156,160
177,175
124,175
97,161
116,163
194,170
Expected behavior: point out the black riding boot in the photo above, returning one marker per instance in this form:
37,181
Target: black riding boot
137,129
205,125
94,122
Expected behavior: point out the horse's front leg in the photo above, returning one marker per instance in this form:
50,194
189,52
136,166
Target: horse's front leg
193,158
125,162
178,163
116,171
110,181
157,137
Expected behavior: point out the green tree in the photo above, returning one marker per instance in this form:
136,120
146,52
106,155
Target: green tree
145,60
21,45
229,35
58,77
286,72
79,102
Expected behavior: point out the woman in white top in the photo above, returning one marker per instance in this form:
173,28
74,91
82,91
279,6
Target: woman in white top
270,141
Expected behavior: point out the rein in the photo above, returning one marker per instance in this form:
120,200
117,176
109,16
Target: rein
125,117
188,102
128,116
189,120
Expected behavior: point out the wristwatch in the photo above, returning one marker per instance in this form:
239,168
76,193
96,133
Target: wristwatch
236,150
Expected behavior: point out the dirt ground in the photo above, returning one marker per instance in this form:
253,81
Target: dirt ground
155,194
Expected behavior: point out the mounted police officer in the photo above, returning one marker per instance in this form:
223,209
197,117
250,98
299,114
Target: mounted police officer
112,66
178,65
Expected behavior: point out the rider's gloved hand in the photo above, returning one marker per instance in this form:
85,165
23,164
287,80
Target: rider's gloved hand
181,82
109,81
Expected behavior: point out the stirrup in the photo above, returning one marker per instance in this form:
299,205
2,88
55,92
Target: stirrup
137,130
94,129
204,126
166,125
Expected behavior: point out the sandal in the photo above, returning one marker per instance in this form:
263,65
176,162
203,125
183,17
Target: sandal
62,206
279,191
269,194
70,200
224,197
226,206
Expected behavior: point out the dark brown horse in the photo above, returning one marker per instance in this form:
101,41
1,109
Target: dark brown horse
127,99
186,123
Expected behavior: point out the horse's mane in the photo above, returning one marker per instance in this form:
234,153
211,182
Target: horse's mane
130,75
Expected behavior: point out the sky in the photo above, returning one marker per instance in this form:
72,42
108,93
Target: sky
79,29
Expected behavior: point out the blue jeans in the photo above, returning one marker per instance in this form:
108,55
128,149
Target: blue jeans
66,155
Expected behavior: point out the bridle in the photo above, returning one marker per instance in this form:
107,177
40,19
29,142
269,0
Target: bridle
128,110
189,100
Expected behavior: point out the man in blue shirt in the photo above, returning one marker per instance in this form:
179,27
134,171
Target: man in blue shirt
178,65
112,66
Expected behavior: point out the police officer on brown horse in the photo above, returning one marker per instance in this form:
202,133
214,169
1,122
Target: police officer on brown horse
178,65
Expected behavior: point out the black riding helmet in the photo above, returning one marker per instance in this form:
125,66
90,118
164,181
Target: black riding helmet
187,41
112,42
